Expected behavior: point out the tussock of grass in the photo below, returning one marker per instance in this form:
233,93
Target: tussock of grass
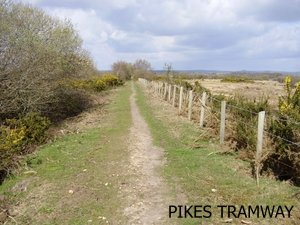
198,171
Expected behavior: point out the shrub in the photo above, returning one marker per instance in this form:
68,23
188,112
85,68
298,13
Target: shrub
183,83
243,113
234,79
16,135
111,80
285,159
67,102
37,51
96,84
199,88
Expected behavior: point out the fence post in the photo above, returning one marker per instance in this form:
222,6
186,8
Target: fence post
259,144
180,99
161,89
165,91
190,104
203,101
174,95
169,92
222,126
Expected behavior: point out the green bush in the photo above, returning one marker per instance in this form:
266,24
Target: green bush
17,134
198,88
183,83
285,159
244,121
235,79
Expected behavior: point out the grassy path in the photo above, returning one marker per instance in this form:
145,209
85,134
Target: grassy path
146,193
207,177
77,176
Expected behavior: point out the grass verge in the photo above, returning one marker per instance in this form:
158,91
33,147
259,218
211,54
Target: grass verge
198,171
75,179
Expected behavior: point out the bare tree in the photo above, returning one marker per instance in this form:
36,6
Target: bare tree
142,68
37,52
123,70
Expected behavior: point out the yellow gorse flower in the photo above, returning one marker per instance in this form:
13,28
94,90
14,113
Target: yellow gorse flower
298,86
288,80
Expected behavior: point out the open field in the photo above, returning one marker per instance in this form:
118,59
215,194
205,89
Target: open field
257,89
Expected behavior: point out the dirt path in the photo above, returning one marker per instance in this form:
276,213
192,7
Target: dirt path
146,192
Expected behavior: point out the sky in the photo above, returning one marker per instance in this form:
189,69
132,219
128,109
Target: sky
257,35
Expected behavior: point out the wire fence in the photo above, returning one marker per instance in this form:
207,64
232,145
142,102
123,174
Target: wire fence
240,125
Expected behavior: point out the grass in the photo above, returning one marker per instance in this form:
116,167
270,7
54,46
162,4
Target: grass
198,171
86,163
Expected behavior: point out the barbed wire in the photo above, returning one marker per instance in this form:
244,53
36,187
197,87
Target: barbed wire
245,110
284,139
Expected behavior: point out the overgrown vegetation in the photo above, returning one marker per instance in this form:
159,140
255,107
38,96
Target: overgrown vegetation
16,135
242,121
44,76
37,51
285,159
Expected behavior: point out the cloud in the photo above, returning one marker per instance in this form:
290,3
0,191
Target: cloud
211,34
270,10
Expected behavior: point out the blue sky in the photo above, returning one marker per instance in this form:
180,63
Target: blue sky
189,34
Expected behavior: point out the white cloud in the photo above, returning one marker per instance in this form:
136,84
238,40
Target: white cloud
219,33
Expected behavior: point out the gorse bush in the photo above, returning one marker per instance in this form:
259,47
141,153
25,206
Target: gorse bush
16,135
183,83
285,159
111,80
243,122
96,83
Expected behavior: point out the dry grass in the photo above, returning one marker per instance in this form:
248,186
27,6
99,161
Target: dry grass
258,89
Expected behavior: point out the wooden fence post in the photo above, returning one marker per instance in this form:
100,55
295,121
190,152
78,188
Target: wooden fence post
222,126
180,99
259,144
165,91
169,92
174,95
203,101
190,104
161,89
